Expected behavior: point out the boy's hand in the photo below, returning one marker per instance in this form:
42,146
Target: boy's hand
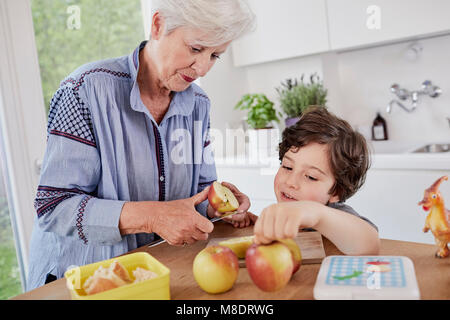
283,220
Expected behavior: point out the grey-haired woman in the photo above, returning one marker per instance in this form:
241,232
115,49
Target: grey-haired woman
128,156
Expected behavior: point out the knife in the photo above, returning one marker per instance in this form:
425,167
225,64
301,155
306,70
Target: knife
228,214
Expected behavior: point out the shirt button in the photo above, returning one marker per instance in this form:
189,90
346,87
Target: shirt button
161,178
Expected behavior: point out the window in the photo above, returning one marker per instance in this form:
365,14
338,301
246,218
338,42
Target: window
43,41
70,33
10,276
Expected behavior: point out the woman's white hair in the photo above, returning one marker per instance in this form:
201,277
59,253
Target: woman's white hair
221,20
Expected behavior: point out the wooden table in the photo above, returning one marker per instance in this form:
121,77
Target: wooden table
433,274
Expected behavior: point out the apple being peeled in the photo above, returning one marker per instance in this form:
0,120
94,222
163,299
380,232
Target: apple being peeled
216,269
296,253
221,198
269,266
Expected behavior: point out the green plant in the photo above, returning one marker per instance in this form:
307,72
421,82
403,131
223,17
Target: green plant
260,110
296,97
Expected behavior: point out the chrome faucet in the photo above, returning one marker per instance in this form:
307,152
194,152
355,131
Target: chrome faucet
389,107
403,94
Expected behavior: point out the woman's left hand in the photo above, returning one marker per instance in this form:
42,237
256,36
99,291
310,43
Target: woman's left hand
243,218
248,220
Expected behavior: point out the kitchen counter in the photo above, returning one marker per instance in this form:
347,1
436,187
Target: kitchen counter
432,274
384,155
400,155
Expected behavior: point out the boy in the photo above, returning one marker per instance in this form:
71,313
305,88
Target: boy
323,163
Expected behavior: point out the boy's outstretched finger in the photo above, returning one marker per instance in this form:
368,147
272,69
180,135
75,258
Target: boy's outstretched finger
268,228
260,239
291,230
259,233
280,223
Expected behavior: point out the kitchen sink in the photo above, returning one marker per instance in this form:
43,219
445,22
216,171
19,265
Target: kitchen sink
433,148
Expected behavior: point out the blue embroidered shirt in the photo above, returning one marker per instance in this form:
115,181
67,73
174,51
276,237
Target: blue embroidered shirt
105,148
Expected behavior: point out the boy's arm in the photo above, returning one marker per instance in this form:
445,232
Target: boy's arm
350,234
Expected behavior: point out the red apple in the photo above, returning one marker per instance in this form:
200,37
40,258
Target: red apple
221,198
269,266
216,269
296,253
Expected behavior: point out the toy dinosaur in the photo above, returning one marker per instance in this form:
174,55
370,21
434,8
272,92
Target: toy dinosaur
438,220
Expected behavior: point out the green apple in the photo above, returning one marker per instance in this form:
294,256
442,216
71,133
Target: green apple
269,266
216,269
296,253
238,245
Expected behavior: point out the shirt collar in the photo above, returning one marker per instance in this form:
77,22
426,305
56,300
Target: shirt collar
182,102
133,60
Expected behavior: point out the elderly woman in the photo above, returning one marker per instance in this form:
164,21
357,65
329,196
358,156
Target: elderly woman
128,156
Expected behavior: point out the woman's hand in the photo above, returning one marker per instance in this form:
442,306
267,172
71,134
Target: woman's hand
243,218
249,219
175,221
283,220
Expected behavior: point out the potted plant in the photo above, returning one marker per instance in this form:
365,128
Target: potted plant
260,119
296,96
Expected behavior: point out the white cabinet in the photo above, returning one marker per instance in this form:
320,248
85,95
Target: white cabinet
294,28
389,199
358,23
285,29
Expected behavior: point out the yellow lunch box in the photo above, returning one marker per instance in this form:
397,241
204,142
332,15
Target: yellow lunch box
152,289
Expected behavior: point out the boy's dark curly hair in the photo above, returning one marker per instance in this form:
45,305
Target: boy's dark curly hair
347,149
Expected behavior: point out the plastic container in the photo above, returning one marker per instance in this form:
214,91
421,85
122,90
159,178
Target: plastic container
153,289
366,278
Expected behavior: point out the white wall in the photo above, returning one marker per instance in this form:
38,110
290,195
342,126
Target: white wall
264,78
365,80
225,85
358,83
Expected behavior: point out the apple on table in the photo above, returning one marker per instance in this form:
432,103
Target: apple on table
271,266
216,269
295,251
